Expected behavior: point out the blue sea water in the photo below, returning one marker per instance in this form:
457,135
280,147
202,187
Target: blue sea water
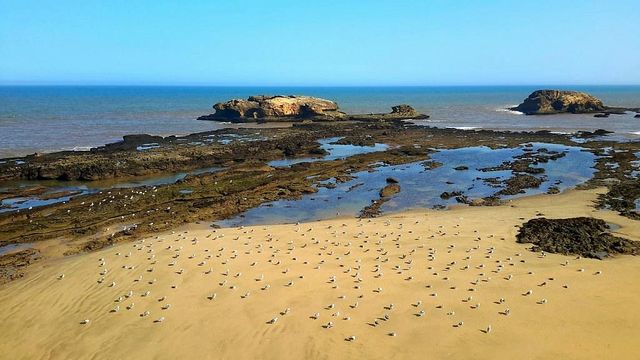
421,187
49,118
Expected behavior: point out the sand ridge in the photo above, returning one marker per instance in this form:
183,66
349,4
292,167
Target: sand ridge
421,284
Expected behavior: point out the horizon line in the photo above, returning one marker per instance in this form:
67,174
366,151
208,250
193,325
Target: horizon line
301,86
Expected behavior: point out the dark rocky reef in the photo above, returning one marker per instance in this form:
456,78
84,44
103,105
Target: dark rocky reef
583,236
542,102
386,193
12,265
398,112
297,108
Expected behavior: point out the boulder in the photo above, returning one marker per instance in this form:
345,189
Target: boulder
583,236
398,112
392,180
275,108
389,190
404,110
542,102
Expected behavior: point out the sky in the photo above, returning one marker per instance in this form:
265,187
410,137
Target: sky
319,43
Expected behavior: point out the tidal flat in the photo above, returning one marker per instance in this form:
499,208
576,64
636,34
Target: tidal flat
311,171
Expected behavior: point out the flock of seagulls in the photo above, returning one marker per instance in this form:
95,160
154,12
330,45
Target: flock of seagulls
367,270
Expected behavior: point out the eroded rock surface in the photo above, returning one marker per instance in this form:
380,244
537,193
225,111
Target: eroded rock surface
398,112
583,236
275,108
543,102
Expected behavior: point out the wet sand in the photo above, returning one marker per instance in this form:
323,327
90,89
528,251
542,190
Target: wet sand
415,285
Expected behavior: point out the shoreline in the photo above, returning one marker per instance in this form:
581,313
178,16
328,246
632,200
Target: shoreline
244,179
235,325
433,122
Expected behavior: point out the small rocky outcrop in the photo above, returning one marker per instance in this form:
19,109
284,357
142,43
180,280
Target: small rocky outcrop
405,110
588,237
275,108
398,112
542,102
450,194
386,193
389,190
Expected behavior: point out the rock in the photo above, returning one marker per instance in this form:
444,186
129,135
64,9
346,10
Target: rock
574,236
275,108
601,115
430,165
392,180
542,102
589,134
389,190
373,210
518,183
404,110
398,112
12,265
297,108
583,236
553,190
448,195
461,168
637,116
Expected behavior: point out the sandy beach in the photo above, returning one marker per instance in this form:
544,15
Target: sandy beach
413,285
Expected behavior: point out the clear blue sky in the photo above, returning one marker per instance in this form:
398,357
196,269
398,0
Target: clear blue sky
324,42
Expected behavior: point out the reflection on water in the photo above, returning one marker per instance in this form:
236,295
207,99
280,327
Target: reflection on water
335,151
421,188
7,249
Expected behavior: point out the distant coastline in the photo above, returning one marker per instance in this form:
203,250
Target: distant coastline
53,118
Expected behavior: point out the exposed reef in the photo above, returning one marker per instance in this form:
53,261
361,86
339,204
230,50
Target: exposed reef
297,108
244,181
588,237
398,112
545,102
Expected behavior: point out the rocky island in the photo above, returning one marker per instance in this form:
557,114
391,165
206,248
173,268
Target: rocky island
546,102
264,108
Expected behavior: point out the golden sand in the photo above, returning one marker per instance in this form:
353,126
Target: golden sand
417,285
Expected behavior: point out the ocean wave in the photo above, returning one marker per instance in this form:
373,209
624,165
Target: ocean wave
465,127
81,148
635,132
508,110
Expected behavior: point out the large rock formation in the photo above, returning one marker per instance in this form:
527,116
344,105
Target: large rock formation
275,108
296,108
542,102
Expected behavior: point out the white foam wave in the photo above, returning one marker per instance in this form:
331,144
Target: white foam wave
465,127
507,109
81,148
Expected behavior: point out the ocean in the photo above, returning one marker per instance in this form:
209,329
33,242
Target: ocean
51,118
